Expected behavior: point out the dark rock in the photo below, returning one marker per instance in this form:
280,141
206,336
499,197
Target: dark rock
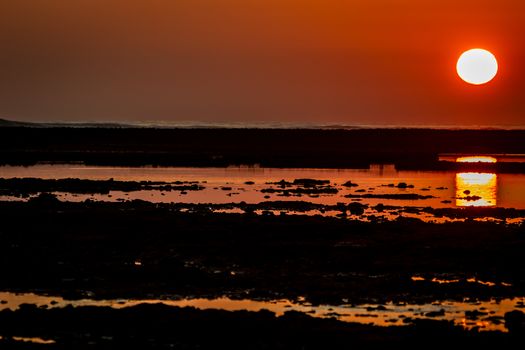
310,182
497,320
400,196
474,315
377,308
471,198
439,313
296,191
282,183
404,185
515,322
380,207
45,199
356,208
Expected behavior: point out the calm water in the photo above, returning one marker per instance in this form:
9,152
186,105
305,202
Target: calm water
227,185
490,313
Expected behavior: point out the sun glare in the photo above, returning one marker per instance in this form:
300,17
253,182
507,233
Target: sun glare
477,66
476,159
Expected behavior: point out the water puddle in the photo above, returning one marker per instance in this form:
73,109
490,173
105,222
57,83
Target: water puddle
34,340
457,280
486,315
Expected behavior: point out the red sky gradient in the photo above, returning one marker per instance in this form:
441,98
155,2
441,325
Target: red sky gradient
380,62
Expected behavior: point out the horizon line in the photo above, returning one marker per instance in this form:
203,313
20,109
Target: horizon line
189,124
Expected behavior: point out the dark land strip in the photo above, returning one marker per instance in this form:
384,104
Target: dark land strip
21,187
407,148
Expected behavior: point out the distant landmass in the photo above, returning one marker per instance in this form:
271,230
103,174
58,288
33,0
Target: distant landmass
241,125
8,123
17,124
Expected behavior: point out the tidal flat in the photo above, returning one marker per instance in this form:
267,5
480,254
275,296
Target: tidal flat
381,246
139,250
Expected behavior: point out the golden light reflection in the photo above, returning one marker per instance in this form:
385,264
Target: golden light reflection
476,159
476,189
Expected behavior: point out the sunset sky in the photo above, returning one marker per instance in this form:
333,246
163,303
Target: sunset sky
379,62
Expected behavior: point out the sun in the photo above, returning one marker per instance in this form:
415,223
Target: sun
477,66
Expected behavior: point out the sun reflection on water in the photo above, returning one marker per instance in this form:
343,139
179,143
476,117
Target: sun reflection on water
476,189
476,159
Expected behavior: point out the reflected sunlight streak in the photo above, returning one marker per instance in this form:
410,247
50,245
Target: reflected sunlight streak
476,189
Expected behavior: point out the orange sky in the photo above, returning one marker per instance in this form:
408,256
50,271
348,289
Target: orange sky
377,62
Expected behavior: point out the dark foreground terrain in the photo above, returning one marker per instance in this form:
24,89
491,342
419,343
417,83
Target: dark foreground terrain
143,250
162,327
70,248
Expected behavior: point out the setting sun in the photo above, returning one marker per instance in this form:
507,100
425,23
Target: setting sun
477,66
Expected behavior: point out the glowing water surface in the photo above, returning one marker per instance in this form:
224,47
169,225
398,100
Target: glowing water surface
390,314
476,159
444,189
35,340
476,189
